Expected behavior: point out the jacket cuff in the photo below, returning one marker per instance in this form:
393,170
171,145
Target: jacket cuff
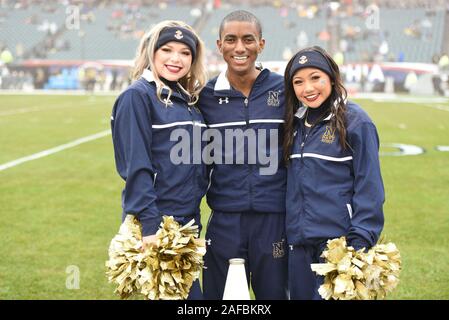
358,244
150,225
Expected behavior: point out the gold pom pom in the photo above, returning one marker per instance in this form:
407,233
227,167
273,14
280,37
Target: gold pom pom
356,275
166,271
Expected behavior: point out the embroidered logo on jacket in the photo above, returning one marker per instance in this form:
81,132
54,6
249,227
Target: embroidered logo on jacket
225,100
273,98
278,249
329,135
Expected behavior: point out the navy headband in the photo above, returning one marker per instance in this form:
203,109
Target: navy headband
178,34
309,59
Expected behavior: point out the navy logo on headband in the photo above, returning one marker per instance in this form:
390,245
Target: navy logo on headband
178,35
302,60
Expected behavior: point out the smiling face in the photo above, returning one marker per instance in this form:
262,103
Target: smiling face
240,43
172,61
312,86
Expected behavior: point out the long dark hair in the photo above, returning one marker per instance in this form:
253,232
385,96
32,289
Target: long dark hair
337,102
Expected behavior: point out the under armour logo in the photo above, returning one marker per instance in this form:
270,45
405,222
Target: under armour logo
208,242
221,100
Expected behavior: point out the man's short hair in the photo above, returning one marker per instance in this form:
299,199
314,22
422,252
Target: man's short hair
244,16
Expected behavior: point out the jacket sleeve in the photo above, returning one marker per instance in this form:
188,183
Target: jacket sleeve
367,219
132,138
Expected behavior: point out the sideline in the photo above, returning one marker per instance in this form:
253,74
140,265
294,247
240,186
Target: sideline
47,92
399,98
66,105
437,106
54,150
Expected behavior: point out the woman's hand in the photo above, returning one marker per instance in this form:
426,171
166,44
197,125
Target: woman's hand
149,242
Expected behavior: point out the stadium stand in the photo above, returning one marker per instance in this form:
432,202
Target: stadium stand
111,31
38,33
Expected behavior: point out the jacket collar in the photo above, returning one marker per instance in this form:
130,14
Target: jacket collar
148,75
222,82
301,112
223,86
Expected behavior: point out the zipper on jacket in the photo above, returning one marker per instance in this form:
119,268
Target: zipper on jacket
246,111
304,140
245,102
303,143
196,167
250,187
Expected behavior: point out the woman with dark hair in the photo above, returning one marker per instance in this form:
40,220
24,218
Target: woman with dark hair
334,184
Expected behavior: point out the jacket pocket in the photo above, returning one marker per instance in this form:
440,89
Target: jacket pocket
154,179
345,205
210,179
349,207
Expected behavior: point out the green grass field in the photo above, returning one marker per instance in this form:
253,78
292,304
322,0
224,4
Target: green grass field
62,210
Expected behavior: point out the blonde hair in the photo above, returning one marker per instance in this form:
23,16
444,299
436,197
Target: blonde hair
191,83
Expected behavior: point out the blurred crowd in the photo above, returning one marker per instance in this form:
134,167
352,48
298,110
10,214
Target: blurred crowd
128,22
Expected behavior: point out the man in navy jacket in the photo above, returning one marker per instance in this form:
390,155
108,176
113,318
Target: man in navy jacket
246,193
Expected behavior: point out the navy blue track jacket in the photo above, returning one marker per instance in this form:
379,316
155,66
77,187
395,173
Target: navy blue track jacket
240,187
141,127
331,192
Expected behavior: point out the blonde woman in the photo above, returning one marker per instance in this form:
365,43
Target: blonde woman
169,74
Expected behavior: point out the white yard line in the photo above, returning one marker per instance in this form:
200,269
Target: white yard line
44,92
54,150
20,111
37,108
385,97
430,102
437,106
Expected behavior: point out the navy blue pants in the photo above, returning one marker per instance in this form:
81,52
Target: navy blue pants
195,291
257,238
302,281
